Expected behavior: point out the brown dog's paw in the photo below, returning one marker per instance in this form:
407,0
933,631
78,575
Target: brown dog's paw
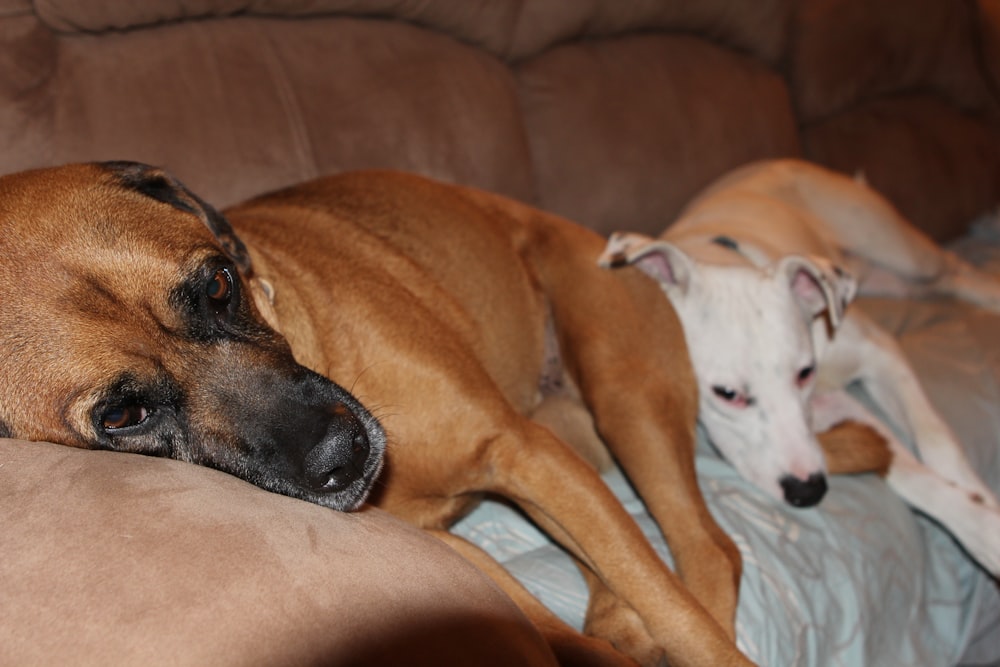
610,618
852,447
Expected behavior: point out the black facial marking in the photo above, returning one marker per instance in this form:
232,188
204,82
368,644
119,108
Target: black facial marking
153,183
727,242
5,431
162,187
212,315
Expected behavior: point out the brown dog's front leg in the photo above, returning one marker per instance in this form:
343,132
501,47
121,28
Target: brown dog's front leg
608,616
851,447
706,558
531,466
569,646
624,346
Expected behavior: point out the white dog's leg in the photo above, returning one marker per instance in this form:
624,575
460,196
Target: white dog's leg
962,512
902,260
956,278
866,224
964,281
864,351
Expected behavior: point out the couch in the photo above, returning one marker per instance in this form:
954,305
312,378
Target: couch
610,112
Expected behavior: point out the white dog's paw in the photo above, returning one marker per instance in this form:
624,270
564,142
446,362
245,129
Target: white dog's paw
972,284
980,535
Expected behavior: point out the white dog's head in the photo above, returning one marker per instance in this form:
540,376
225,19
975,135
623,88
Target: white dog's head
755,336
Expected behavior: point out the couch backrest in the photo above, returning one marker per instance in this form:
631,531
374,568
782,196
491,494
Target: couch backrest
612,112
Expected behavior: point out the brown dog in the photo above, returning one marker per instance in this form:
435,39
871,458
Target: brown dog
134,319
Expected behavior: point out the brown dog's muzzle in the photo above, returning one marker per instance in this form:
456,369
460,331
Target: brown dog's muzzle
291,431
338,459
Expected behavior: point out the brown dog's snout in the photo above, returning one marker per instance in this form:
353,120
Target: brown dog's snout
308,437
340,458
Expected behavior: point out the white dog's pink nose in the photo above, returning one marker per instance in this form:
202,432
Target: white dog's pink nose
804,493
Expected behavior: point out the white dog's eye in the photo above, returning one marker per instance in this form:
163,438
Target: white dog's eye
732,396
725,393
805,375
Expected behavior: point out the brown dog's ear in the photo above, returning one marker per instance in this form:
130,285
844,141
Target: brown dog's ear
818,285
157,184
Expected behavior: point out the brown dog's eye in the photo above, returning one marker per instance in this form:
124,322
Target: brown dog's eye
124,416
220,288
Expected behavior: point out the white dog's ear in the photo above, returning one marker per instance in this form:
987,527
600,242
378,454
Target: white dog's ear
665,263
818,285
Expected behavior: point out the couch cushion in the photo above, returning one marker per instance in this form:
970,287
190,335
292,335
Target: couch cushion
759,28
913,148
513,29
847,51
486,23
114,558
279,101
624,131
988,31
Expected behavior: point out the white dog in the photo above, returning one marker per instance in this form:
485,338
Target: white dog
759,270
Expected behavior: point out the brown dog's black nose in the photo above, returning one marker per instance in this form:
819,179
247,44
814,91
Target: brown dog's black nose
339,459
804,493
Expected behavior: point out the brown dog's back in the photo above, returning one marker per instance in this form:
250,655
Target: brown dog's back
421,304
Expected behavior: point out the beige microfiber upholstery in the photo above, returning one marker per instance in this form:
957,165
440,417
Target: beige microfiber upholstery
611,112
121,559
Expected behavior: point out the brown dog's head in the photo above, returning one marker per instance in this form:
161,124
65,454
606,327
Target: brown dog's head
126,324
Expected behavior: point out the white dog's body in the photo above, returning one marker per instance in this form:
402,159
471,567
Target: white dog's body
753,268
